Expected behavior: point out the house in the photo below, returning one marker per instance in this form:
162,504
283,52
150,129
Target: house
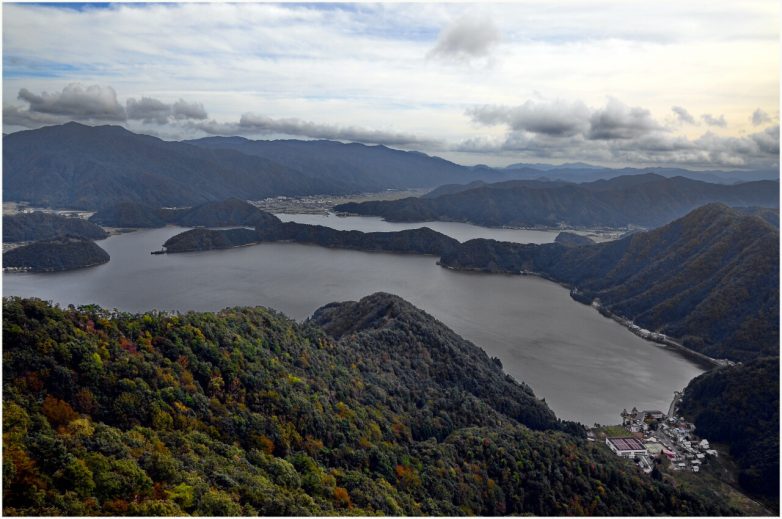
626,447
704,444
657,415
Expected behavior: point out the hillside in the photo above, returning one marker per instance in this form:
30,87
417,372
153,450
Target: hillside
411,241
67,253
710,278
739,406
207,239
370,407
128,215
363,168
646,200
74,165
222,213
46,226
571,239
92,167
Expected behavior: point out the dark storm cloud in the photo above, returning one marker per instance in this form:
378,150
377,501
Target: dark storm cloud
714,121
78,102
683,116
467,37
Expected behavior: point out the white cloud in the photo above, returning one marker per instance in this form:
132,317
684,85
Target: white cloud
364,66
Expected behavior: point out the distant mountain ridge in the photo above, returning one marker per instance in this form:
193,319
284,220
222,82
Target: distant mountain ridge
646,200
93,167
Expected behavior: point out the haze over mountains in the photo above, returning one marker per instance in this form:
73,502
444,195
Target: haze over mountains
92,167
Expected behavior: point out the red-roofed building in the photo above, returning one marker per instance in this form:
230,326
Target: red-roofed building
626,447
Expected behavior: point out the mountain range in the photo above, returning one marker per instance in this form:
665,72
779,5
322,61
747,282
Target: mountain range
93,167
646,200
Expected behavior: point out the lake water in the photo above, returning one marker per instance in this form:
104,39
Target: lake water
586,366
457,230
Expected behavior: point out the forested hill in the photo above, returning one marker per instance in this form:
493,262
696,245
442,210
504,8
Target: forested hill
647,200
65,253
222,213
365,168
370,407
46,226
92,167
739,405
710,278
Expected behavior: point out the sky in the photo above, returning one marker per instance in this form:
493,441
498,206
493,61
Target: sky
667,83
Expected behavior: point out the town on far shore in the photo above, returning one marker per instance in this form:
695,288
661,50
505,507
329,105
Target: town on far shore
652,438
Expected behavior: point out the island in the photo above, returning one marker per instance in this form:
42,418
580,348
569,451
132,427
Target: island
67,253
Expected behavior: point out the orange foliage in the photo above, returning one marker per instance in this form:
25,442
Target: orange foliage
342,497
57,411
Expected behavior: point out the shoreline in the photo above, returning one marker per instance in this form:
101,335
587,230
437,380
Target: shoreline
626,323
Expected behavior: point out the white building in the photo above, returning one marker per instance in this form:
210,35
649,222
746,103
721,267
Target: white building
627,447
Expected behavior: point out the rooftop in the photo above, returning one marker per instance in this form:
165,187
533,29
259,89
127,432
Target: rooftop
626,444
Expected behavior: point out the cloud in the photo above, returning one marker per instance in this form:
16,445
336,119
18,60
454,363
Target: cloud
151,110
619,121
467,37
76,101
714,121
254,124
760,117
683,116
16,116
556,118
148,110
184,110
616,133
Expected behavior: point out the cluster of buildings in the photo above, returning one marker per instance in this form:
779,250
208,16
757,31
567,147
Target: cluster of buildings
646,334
652,434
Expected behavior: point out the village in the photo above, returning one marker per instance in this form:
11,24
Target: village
650,436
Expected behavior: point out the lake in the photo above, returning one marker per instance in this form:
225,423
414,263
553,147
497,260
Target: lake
586,366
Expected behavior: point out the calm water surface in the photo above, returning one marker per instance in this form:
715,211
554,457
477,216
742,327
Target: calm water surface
587,367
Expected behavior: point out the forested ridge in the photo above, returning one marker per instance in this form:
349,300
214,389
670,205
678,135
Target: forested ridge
66,253
369,407
739,405
648,200
710,278
46,226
